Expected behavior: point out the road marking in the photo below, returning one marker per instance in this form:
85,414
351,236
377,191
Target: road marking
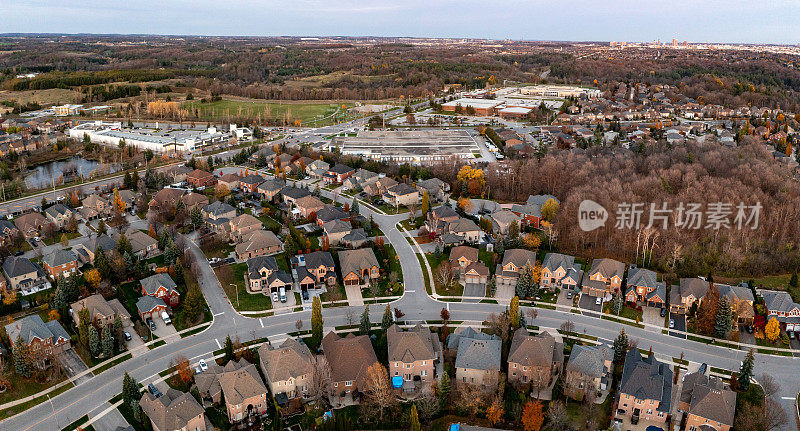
410,291
787,398
219,346
219,314
261,320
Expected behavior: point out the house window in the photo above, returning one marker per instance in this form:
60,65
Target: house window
423,363
348,383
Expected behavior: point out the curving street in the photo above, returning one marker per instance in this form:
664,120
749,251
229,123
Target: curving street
92,395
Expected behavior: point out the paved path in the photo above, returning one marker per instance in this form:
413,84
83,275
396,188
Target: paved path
415,303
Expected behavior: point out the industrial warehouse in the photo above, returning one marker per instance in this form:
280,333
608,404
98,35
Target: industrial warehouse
410,146
157,140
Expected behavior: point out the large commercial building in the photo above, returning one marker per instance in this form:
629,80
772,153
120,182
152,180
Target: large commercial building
482,107
157,140
560,91
410,146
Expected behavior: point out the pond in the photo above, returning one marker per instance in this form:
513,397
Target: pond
61,171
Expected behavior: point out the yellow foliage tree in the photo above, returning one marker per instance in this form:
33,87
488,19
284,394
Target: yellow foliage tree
93,278
221,191
495,412
465,204
474,178
532,241
9,297
773,330
53,315
119,204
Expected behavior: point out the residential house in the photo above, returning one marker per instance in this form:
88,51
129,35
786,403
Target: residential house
179,173
560,271
161,286
101,312
60,262
588,371
8,232
779,305
359,267
514,261
534,360
258,243
230,181
477,359
357,238
59,214
689,291
465,229
305,280
251,182
437,219
706,402
150,306
38,335
174,411
308,205
200,178
401,194
461,257
193,200
94,206
330,213
24,275
239,384
338,173
502,220
741,301
336,230
291,194
288,369
317,169
603,278
30,224
319,264
217,216
349,358
436,188
645,392
413,355
143,245
259,270
644,288
243,225
165,199
86,251
270,188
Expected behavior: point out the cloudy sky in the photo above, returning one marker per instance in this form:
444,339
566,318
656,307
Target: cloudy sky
771,21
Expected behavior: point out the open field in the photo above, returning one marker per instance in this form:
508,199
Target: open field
53,96
306,112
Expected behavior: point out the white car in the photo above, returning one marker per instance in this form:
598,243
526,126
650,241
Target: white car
203,365
275,297
598,301
671,324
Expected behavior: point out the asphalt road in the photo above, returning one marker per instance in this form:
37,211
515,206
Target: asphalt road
90,395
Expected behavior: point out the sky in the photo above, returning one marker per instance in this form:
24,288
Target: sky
770,21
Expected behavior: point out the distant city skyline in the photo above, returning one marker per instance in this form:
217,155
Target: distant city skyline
715,21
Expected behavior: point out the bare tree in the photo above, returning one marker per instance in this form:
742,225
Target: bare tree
320,386
774,415
444,274
770,386
377,390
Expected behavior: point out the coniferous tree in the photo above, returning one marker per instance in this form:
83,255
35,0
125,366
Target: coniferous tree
94,342
746,371
387,320
229,353
415,425
621,345
107,342
444,389
723,319
316,321
20,353
365,325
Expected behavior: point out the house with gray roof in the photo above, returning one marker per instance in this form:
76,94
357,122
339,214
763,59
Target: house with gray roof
645,391
603,278
259,269
589,369
643,287
355,239
436,188
779,305
24,275
359,266
288,369
502,220
150,306
48,337
401,195
161,286
707,402
60,262
413,354
560,271
534,360
59,214
686,293
174,410
270,188
514,260
478,359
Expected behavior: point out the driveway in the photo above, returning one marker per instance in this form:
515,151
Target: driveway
680,324
652,316
746,337
588,302
474,290
503,294
135,341
164,331
73,365
354,297
562,298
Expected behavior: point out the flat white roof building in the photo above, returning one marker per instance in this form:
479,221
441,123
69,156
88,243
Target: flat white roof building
414,146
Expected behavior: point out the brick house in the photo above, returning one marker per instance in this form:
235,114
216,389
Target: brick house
239,384
645,391
534,360
200,178
30,224
161,286
59,214
150,306
478,357
258,243
60,262
560,271
707,402
243,225
413,355
514,260
589,369
604,277
319,264
174,410
288,369
349,358
359,267
38,335
437,219
101,312
644,288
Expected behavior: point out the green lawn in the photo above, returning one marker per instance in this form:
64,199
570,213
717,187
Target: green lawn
128,294
306,112
270,223
456,289
246,301
57,237
221,250
21,388
627,312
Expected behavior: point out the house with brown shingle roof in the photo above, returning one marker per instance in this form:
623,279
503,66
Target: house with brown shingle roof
413,354
143,245
30,224
534,360
200,178
707,402
308,205
349,358
231,181
173,411
289,369
242,225
193,200
258,243
101,311
164,199
604,277
358,266
239,383
514,260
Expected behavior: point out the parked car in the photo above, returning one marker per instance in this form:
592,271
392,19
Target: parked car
663,312
569,294
127,335
671,324
203,364
154,390
283,294
749,329
275,297
598,301
151,324
165,318
305,295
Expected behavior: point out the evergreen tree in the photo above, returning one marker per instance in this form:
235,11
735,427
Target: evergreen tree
20,353
120,340
130,390
387,320
618,303
193,305
101,263
94,342
316,321
196,217
83,326
365,325
444,389
107,342
621,345
524,282
746,371
426,203
415,425
229,354
354,207
102,229
513,312
723,319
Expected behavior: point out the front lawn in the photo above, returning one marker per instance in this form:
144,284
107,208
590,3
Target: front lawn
627,312
455,289
220,250
57,237
235,273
